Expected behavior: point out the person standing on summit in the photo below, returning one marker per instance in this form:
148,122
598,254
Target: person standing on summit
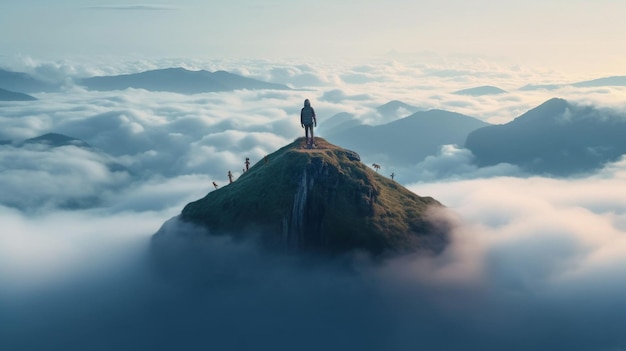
308,120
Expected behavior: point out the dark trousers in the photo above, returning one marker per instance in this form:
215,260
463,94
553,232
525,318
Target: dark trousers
308,127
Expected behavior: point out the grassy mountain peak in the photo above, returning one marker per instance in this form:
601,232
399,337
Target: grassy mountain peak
321,200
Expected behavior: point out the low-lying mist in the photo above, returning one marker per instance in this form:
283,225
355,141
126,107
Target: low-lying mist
533,264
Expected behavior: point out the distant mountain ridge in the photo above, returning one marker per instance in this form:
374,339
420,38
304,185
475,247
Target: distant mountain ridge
339,122
7,95
57,140
556,138
390,111
614,81
408,140
24,83
481,91
178,80
394,109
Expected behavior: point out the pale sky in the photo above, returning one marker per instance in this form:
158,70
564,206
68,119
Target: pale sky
558,34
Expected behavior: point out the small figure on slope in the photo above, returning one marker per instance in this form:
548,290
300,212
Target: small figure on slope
308,121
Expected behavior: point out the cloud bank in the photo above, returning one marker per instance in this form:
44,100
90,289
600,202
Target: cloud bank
541,272
536,263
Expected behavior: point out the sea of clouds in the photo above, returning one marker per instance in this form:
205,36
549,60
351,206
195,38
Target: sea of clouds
536,263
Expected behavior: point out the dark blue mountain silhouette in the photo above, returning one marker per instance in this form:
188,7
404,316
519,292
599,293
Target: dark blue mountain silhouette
57,140
7,95
389,112
390,109
409,140
532,87
480,91
615,81
22,82
178,80
339,122
555,138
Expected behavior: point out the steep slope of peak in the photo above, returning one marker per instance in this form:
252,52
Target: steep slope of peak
317,200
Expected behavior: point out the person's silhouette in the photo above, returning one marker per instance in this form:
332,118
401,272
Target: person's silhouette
308,121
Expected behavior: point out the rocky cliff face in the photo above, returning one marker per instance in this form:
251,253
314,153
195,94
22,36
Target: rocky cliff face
321,200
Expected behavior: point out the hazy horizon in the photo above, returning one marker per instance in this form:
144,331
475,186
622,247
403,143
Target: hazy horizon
570,36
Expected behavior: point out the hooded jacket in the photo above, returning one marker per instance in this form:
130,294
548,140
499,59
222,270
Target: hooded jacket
307,114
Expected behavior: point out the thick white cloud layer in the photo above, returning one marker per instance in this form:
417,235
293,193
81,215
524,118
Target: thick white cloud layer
535,262
543,233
